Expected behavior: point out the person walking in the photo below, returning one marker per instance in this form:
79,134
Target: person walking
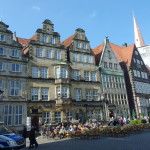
24,133
32,138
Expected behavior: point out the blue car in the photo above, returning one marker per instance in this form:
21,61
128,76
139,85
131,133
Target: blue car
10,140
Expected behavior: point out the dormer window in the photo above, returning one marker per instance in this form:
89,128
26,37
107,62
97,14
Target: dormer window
109,54
84,46
136,52
52,40
2,37
78,45
44,39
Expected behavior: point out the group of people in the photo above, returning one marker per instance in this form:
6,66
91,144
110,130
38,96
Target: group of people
61,129
118,121
31,135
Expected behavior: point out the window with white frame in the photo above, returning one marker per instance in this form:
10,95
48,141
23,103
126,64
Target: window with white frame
86,76
93,76
58,94
82,58
39,52
90,59
110,65
105,64
1,85
64,72
34,94
57,54
76,75
18,114
1,51
14,53
135,73
69,116
52,40
146,76
136,52
57,116
15,67
90,114
8,111
64,91
84,46
1,66
61,72
138,74
95,95
35,71
88,95
78,96
48,53
134,60
98,114
2,37
14,88
138,62
46,117
44,39
142,75
115,66
44,72
57,73
44,94
75,57
78,44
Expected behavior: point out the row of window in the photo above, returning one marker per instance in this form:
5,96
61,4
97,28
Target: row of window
140,74
138,61
13,67
81,45
113,85
91,114
14,52
62,73
14,87
110,65
117,99
63,92
48,53
113,79
82,58
13,114
49,39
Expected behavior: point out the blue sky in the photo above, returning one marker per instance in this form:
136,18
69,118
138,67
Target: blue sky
99,18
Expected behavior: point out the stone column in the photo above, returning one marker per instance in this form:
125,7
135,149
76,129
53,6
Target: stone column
64,116
52,117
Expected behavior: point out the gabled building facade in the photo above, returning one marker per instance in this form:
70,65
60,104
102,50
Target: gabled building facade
137,81
112,80
13,83
84,75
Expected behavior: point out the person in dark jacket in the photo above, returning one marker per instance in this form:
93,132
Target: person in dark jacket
24,133
32,138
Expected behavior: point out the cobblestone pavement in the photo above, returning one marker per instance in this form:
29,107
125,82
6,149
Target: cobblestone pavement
131,142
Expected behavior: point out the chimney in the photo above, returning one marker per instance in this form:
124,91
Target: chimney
124,45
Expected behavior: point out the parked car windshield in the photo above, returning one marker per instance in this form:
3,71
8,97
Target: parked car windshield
4,130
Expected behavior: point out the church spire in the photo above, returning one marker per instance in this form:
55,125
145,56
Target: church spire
139,42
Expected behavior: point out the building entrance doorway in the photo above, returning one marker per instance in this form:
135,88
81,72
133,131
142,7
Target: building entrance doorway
35,122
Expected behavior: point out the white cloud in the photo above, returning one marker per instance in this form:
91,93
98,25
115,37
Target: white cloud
37,8
93,14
